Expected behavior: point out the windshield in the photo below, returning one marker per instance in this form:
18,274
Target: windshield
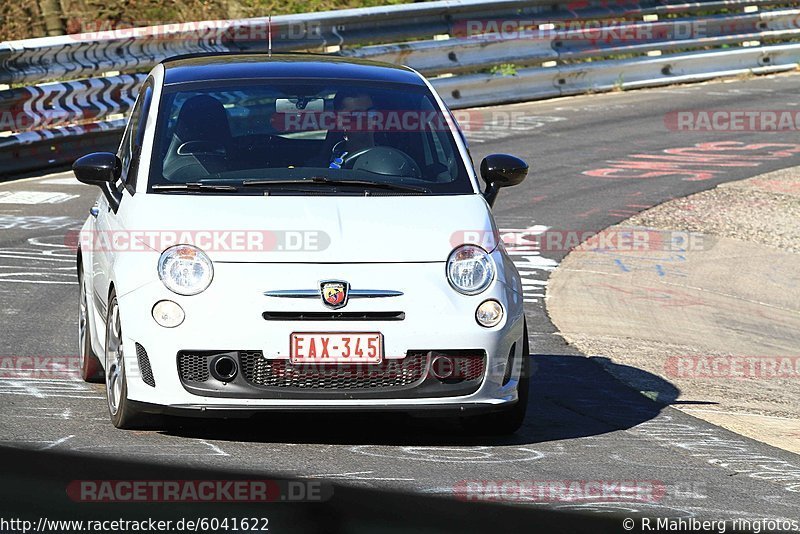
313,137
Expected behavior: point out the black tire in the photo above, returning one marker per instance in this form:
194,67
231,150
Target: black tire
123,414
90,368
508,421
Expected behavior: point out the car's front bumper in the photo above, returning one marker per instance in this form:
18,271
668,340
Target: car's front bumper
240,411
229,317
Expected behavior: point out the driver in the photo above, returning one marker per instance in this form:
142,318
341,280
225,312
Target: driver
353,141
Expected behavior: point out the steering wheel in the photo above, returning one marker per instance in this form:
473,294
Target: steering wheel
383,160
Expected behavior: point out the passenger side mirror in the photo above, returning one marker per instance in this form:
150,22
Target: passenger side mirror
102,169
501,170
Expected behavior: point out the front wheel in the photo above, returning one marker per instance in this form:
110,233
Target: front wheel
509,420
90,368
123,415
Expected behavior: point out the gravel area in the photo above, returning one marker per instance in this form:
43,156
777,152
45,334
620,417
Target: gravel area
738,297
764,209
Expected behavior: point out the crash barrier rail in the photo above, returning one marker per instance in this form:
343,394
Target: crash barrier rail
69,94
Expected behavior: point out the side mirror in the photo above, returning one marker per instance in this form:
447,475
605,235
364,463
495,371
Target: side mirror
501,170
102,169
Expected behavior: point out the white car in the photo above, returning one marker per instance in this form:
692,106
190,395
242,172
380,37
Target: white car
298,232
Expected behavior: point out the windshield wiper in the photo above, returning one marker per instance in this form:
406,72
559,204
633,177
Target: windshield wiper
322,180
193,186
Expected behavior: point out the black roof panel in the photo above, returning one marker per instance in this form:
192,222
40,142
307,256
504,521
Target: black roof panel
207,67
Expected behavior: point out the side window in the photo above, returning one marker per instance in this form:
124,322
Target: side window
131,147
458,127
440,150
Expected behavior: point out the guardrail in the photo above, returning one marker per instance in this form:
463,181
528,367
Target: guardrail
67,95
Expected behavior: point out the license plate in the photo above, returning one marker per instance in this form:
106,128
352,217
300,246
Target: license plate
323,347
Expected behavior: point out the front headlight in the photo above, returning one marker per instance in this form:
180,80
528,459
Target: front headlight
185,270
470,269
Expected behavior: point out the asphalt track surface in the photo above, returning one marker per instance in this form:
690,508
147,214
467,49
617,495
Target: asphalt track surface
582,425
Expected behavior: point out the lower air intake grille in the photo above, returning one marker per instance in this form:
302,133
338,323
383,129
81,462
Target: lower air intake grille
193,366
469,367
144,366
263,372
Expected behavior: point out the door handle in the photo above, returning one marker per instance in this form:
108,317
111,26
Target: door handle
94,211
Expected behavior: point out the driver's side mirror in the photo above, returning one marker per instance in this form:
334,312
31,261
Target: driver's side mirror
501,170
102,169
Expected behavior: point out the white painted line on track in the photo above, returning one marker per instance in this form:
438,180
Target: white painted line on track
532,266
215,448
62,181
360,475
42,444
58,442
34,197
39,222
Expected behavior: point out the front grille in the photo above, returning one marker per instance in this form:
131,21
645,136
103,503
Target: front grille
468,367
193,366
145,370
263,372
419,374
333,316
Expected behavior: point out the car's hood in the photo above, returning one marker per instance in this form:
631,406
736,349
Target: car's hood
311,228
